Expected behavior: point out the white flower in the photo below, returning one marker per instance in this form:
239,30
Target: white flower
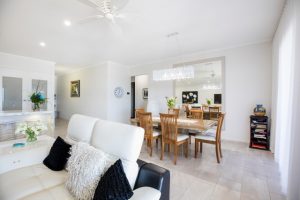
36,127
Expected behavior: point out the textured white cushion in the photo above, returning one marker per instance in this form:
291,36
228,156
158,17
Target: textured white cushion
121,140
86,166
181,137
80,128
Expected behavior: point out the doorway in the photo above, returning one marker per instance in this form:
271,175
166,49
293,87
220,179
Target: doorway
139,93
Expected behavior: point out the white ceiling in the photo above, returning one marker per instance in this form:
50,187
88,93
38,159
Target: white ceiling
140,37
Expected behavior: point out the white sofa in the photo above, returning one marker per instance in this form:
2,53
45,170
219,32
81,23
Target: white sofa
30,179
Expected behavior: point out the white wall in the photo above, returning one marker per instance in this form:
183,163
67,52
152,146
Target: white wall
247,82
97,98
118,108
28,69
93,92
141,81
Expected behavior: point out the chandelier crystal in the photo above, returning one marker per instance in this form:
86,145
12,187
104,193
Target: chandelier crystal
178,73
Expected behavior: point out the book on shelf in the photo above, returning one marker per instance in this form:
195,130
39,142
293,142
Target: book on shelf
260,131
260,136
262,126
258,146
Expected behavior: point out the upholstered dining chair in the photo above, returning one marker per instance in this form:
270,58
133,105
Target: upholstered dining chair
174,111
214,113
170,135
146,123
195,114
211,136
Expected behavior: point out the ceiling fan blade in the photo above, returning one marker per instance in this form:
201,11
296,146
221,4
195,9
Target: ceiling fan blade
86,19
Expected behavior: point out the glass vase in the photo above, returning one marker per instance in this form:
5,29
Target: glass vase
32,138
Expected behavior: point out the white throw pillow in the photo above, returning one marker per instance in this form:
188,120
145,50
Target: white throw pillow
86,166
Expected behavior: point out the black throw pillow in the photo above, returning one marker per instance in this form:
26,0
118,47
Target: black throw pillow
58,155
114,184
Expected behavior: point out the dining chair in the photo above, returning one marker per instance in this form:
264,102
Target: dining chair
174,111
170,135
214,112
211,136
146,123
137,111
187,111
195,114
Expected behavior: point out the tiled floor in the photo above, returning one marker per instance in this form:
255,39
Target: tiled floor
243,173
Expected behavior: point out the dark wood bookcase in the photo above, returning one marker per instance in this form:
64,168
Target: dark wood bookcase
259,132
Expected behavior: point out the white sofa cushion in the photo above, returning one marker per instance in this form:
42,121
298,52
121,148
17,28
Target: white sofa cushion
86,166
24,182
37,182
146,193
80,128
123,141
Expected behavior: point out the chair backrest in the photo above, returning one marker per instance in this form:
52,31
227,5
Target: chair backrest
197,114
146,123
168,127
205,107
219,126
138,111
187,110
214,112
174,111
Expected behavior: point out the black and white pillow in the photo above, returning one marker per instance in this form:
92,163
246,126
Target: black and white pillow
114,184
58,155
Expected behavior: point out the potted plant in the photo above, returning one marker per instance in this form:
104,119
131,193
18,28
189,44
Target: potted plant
31,129
208,101
37,98
171,102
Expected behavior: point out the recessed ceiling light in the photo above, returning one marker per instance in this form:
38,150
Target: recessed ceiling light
42,44
67,23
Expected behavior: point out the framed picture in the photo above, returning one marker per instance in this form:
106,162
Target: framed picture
75,88
190,97
145,93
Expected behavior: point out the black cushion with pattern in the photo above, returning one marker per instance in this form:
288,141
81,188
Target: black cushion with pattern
114,184
58,155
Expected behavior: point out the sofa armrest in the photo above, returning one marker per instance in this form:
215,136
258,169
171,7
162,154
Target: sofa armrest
151,175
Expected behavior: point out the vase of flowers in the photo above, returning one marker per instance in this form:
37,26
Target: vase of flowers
171,102
31,130
37,98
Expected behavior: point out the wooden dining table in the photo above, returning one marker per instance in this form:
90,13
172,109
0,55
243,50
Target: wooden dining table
185,123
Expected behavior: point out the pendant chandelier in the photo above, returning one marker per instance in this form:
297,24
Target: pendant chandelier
178,73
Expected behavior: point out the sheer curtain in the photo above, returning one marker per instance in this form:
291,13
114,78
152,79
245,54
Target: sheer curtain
285,40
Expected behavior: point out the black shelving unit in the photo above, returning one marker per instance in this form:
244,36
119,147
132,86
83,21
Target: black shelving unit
259,132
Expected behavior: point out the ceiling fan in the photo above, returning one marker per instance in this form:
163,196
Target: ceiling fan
109,9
